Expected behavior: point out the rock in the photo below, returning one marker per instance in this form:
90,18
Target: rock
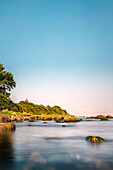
47,118
7,126
19,121
93,117
32,120
104,119
94,139
71,119
59,118
109,116
63,125
88,117
4,118
100,117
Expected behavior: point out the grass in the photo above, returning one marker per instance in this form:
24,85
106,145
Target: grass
10,113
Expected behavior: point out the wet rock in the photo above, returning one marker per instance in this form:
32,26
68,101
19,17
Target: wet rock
7,126
94,139
71,119
88,117
19,121
100,117
104,119
63,125
109,116
47,118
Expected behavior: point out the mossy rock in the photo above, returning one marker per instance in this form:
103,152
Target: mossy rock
104,119
94,139
100,117
109,116
71,119
7,126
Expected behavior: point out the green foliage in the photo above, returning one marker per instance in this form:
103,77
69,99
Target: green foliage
6,81
6,84
4,102
26,108
41,109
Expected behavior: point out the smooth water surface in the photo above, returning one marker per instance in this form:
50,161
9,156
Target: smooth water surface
50,146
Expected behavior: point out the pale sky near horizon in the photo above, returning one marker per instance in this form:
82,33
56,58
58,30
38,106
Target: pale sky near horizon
60,52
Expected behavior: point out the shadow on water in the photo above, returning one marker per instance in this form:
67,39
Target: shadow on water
6,149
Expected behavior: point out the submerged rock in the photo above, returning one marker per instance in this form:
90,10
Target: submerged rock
63,125
32,120
94,139
104,119
7,126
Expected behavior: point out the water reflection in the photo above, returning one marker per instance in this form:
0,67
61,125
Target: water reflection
6,149
52,147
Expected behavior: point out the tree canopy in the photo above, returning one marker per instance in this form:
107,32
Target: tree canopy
7,82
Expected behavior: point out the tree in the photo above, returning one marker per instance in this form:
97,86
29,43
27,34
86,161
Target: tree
6,81
4,102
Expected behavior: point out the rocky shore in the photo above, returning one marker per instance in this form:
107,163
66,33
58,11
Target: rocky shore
5,123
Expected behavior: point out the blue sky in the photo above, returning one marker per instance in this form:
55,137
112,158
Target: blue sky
60,52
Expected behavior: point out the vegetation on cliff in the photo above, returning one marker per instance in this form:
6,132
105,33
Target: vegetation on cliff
23,107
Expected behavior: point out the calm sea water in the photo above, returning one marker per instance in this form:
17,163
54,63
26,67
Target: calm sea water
49,146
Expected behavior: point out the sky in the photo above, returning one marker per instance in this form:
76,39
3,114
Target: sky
60,52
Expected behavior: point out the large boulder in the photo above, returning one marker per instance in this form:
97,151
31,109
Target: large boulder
5,123
71,119
100,117
7,126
